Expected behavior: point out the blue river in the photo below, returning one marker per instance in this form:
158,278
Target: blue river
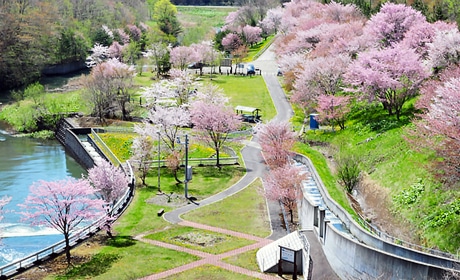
24,161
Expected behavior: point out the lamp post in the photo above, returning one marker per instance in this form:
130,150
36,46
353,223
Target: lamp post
159,151
211,43
187,171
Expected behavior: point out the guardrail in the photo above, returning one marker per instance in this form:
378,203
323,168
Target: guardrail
375,238
15,267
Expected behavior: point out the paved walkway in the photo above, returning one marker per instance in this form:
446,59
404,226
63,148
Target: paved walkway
207,258
255,168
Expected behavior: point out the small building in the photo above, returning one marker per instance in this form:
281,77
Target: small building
248,114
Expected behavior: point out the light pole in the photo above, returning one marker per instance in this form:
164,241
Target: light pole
159,151
188,170
211,43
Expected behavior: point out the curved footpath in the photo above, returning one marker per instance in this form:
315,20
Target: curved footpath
255,168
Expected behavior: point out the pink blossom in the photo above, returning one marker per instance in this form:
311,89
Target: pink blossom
276,140
64,205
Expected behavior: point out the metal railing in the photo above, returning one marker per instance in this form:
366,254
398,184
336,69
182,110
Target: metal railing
80,235
360,231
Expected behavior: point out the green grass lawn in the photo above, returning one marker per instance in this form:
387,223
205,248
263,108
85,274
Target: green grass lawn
247,91
247,260
209,272
200,240
148,260
200,23
233,213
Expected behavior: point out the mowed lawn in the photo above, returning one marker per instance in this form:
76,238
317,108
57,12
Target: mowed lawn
248,91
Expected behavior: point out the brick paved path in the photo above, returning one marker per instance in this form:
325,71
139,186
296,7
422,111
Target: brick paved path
207,258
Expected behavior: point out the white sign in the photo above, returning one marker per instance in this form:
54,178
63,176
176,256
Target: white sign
287,254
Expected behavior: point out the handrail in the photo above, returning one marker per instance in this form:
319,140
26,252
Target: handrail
75,238
356,229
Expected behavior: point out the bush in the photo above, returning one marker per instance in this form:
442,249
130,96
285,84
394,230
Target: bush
348,172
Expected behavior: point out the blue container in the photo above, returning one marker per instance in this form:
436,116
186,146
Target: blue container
313,122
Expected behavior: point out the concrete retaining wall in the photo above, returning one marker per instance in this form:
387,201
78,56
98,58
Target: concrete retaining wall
364,252
353,260
75,148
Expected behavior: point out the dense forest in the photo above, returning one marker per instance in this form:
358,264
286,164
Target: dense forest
38,33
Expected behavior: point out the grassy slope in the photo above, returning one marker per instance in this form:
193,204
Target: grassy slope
379,141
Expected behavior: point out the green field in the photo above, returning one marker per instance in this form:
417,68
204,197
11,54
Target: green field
201,23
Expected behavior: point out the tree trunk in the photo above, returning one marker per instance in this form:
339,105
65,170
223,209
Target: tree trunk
218,157
67,248
292,216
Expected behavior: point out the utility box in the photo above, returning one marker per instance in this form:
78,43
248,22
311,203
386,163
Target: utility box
313,121
189,173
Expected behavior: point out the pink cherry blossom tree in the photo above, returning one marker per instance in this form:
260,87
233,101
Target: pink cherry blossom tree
213,117
116,51
276,140
206,54
272,21
231,42
134,31
320,76
284,184
391,76
109,82
445,49
181,85
123,36
168,120
64,205
142,155
182,56
439,124
175,91
333,109
389,26
252,34
111,183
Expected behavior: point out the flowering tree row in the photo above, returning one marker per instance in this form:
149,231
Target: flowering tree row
329,50
283,182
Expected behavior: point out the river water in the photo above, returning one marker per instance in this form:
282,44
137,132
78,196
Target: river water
22,162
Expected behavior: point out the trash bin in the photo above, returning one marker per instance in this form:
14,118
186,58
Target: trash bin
313,121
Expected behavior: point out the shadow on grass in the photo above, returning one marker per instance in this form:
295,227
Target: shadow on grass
376,119
97,265
121,241
214,172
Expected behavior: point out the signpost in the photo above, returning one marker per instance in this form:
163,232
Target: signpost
287,255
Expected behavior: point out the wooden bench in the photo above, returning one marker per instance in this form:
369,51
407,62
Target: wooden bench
160,212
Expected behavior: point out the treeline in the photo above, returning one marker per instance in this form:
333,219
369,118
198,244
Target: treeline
433,10
204,2
34,34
